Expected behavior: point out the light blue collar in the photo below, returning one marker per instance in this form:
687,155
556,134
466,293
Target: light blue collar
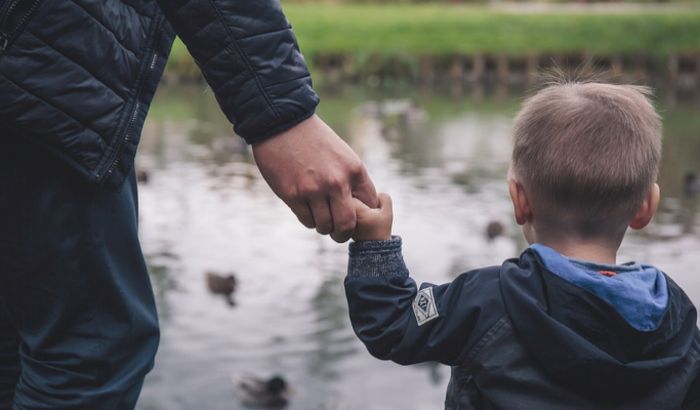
638,292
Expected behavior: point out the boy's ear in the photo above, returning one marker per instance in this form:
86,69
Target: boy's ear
521,203
647,209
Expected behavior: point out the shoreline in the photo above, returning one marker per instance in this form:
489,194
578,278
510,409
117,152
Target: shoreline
502,42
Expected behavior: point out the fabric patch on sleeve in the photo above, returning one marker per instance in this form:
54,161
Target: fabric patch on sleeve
424,306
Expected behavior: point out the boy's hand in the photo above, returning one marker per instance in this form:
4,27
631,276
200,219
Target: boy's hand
374,224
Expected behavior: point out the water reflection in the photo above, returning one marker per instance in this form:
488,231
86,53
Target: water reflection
442,156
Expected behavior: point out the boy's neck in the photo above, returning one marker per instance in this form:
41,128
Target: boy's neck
588,251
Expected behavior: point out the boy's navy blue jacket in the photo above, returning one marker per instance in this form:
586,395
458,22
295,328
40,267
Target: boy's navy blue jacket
77,76
519,336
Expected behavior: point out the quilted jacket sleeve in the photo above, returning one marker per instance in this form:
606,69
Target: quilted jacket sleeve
249,56
399,322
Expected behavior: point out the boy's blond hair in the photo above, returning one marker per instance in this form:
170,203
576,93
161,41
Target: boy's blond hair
588,153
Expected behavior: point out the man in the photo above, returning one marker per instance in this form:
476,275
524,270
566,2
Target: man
78,327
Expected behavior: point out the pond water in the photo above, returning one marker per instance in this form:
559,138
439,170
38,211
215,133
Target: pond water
442,156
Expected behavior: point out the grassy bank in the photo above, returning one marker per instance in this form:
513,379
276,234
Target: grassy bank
368,35
362,30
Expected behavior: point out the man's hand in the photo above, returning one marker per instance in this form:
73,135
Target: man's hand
317,175
374,224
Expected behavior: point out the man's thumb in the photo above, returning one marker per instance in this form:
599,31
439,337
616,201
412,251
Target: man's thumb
360,206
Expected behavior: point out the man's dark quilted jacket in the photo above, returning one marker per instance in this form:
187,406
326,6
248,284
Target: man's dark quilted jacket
77,76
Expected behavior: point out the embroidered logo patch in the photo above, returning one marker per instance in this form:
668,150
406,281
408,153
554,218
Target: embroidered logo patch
424,306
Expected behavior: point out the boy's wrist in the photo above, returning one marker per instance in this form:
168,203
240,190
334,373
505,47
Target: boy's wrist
373,233
371,245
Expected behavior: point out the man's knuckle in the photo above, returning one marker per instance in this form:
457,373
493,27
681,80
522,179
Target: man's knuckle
341,239
291,193
344,226
305,220
356,168
307,190
335,183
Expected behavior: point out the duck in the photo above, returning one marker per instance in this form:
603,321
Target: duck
270,393
219,284
412,114
142,176
229,145
493,230
691,184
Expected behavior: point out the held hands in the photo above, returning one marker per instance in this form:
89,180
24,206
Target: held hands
374,224
317,175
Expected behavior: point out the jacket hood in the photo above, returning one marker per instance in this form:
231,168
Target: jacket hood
594,335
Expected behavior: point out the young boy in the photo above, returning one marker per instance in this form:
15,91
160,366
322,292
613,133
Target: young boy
563,326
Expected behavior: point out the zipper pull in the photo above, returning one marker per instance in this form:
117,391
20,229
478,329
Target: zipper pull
4,42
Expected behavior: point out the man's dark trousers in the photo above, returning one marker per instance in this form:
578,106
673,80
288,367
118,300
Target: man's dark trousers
78,324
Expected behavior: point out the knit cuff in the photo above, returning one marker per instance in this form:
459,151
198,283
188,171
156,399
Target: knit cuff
377,258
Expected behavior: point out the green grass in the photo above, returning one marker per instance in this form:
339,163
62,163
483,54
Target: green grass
363,30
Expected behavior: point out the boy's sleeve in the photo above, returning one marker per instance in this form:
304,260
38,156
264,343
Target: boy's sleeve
399,322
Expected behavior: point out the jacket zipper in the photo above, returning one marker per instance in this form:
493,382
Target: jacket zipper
114,158
7,9
7,33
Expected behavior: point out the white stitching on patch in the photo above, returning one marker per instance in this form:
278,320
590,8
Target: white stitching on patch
424,306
